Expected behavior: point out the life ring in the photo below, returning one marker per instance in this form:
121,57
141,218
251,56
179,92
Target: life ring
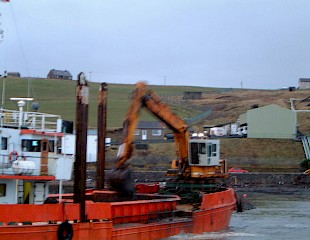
65,231
13,155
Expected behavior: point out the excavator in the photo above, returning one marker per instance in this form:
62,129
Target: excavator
197,160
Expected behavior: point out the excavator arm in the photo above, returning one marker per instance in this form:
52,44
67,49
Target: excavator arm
144,97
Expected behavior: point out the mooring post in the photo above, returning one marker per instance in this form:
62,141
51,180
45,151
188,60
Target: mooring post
82,92
102,132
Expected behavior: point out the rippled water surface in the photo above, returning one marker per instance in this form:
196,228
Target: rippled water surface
275,217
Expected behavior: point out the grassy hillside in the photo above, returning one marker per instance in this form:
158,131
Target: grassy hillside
58,97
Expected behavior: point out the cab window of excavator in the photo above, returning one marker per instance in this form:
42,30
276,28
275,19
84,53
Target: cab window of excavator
194,153
209,150
202,148
212,148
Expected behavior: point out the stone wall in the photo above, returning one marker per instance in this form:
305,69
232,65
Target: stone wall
239,178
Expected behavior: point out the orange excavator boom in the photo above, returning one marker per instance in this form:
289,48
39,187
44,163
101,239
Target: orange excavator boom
143,96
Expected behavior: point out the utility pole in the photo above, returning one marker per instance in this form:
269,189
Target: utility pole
165,96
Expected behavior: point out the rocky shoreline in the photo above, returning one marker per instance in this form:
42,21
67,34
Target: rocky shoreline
268,183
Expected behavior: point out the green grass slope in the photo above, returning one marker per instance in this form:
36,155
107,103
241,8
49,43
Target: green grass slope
58,97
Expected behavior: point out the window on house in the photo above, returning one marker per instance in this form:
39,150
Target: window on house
156,132
4,143
137,132
2,190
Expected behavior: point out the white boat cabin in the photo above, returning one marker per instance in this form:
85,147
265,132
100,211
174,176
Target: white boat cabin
31,155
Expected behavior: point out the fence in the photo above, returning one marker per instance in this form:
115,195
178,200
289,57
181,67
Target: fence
306,144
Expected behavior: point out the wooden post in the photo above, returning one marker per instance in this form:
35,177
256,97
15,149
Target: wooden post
82,92
102,125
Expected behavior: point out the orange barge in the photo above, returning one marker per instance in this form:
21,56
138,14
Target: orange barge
148,216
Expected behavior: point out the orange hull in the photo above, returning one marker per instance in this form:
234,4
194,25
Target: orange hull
153,218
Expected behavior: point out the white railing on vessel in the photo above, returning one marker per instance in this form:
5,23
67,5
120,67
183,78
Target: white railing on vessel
31,120
306,145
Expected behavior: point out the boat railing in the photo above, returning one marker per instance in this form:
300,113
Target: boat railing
29,120
7,166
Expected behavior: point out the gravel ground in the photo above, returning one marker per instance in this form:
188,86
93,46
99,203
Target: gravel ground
281,189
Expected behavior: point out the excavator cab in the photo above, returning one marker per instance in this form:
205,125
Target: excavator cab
203,160
204,152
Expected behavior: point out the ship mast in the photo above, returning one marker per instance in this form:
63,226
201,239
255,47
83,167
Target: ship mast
5,72
4,75
1,30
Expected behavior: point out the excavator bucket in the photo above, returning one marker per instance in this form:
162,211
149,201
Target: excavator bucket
120,179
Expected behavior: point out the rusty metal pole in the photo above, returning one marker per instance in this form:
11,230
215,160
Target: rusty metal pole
102,132
82,92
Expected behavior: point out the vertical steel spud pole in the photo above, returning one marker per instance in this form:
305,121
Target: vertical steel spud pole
102,125
82,92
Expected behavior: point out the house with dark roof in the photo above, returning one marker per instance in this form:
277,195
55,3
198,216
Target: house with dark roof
13,74
59,74
192,95
304,83
150,130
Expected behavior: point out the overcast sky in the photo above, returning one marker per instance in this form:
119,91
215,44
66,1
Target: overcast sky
261,44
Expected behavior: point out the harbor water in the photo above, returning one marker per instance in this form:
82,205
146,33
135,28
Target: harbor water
275,216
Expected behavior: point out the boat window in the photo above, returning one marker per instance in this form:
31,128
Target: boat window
31,145
34,145
51,146
44,147
2,190
4,143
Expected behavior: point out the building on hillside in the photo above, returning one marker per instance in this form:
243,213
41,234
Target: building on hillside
13,74
271,121
150,130
59,74
304,83
192,95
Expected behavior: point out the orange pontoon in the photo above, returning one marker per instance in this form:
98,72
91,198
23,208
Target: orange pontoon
151,216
